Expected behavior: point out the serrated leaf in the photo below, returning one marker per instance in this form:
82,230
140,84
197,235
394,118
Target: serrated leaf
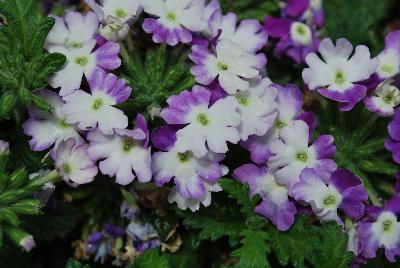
294,246
331,248
151,258
254,250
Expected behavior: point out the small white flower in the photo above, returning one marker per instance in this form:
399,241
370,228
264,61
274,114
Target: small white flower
301,33
386,99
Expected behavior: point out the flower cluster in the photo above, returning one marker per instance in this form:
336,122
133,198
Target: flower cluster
234,103
297,30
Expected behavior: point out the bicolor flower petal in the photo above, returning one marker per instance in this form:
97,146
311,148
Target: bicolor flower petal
386,99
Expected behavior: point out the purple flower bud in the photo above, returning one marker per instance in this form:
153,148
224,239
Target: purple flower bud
28,243
4,147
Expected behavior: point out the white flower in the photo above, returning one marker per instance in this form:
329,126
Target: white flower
386,99
301,33
257,108
122,10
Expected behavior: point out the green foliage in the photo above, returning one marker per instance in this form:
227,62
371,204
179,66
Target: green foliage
151,259
72,263
254,249
155,78
24,66
15,201
354,20
250,9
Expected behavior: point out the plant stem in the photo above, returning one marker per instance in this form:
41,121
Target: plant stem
51,177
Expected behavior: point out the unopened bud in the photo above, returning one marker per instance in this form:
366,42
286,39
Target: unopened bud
4,147
115,30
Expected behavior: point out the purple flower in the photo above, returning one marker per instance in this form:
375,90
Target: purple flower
192,203
392,143
176,20
28,243
343,191
290,102
275,204
4,148
291,154
389,58
204,127
97,109
73,163
249,34
72,31
230,63
310,11
123,152
338,77
296,39
83,61
101,244
386,99
190,173
48,129
257,108
381,230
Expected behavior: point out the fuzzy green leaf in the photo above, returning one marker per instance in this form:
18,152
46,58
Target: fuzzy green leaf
24,66
254,250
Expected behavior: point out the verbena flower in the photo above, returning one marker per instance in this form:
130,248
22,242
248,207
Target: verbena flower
192,203
204,127
72,31
257,108
291,154
97,109
249,34
100,244
310,11
190,173
176,20
83,61
115,17
337,76
73,163
386,99
212,14
275,204
230,63
289,106
389,58
392,143
343,191
123,152
48,129
381,230
296,39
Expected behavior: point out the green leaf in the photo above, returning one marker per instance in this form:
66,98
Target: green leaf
250,9
24,66
353,20
72,263
254,250
151,259
156,77
331,248
294,246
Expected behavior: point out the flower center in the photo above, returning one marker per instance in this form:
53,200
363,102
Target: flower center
171,16
330,200
280,124
387,225
128,145
386,68
302,157
222,66
387,99
82,61
76,44
243,100
340,77
183,157
97,104
121,13
63,124
66,168
301,30
202,119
